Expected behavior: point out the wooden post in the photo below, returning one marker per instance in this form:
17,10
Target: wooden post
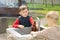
19,2
3,24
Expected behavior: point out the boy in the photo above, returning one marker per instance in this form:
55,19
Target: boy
53,30
24,20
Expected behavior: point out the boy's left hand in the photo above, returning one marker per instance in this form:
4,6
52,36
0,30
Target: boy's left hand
21,26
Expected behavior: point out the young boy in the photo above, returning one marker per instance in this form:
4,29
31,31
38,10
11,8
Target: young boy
24,20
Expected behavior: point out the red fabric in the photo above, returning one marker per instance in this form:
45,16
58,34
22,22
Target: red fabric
31,20
16,23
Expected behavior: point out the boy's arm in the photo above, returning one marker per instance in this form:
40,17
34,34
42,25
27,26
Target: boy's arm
32,20
16,23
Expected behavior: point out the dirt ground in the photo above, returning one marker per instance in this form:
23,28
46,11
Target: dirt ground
3,36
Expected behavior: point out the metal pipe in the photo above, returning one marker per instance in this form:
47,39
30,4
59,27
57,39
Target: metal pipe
38,22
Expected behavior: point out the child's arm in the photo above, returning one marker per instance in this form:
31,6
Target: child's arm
16,24
32,20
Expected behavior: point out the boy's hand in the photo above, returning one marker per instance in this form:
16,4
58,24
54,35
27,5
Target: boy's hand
21,26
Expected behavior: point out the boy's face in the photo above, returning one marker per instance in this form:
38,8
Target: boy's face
24,13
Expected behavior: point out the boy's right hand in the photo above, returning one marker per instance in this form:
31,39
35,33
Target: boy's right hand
21,26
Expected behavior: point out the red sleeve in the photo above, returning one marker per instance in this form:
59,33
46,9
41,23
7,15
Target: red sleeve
16,23
31,20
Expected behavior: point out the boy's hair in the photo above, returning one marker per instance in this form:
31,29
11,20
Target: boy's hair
53,15
22,7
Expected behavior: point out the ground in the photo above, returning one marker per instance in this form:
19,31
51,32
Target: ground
3,36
